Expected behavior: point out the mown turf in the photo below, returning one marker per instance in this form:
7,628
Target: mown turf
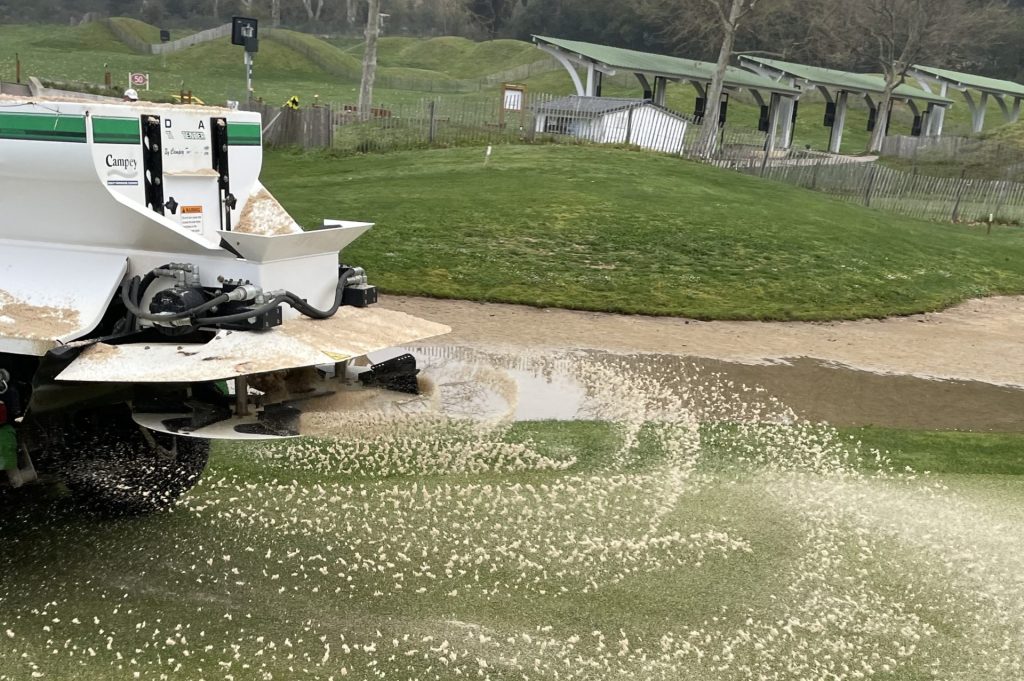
620,231
945,453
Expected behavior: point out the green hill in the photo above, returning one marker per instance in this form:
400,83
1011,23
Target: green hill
147,33
598,228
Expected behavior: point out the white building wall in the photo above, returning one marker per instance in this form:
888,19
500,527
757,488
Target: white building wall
656,130
647,127
615,127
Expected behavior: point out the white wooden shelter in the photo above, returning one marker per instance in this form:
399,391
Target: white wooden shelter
607,120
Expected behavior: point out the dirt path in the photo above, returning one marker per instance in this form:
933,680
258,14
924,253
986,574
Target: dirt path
980,340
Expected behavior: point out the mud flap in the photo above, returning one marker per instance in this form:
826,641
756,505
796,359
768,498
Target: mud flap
397,374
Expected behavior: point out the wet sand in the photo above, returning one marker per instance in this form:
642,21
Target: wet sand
980,340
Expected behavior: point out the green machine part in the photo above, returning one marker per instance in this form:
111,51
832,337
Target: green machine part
8,448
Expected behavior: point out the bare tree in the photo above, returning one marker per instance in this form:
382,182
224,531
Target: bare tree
703,27
313,9
369,60
350,13
893,35
730,14
275,13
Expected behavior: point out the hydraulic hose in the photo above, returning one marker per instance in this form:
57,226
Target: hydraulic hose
131,289
242,316
287,297
310,311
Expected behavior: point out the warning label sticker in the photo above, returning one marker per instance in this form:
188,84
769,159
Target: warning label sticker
192,218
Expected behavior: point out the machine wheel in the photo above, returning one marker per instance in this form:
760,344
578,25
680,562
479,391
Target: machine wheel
120,468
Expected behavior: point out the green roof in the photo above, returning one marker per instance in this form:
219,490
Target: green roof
990,85
867,83
673,68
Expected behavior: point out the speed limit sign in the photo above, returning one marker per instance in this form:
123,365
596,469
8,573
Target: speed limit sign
137,80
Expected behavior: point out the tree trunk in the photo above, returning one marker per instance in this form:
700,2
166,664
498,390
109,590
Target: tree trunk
350,13
882,119
216,9
275,13
319,10
709,128
369,60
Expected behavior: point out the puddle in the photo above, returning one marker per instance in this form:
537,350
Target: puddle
467,381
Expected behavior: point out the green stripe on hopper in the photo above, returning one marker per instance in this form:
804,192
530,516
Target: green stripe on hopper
244,134
116,130
43,127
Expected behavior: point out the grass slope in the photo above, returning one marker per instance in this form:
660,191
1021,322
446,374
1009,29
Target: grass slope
462,58
613,230
147,33
213,71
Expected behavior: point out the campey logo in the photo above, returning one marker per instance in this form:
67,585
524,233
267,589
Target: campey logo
122,167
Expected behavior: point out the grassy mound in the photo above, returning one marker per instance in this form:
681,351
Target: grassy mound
92,37
214,71
1011,134
328,57
498,55
389,50
413,74
436,54
462,58
613,230
147,33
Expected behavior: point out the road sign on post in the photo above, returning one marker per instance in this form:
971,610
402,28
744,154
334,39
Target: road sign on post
244,29
137,80
245,32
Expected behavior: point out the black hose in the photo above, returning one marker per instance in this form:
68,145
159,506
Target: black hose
310,311
133,295
131,291
242,316
290,298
